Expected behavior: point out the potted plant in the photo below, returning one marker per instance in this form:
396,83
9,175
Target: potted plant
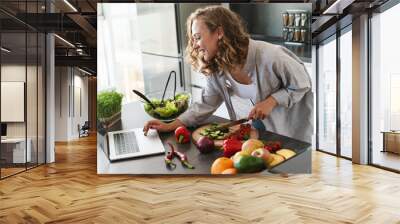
108,108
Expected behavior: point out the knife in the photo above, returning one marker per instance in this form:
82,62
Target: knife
230,124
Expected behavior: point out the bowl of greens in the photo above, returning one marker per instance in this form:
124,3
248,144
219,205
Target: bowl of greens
170,108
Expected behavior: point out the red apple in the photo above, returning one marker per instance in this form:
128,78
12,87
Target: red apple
250,145
263,154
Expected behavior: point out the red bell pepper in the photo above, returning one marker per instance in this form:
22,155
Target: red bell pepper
182,135
231,146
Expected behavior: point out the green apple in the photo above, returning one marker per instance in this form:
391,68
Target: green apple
248,164
238,155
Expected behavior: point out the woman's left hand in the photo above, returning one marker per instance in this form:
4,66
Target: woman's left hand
262,109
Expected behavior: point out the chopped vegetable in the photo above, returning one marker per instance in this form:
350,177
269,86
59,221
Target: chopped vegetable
243,133
214,132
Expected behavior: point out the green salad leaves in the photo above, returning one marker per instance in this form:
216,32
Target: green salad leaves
170,108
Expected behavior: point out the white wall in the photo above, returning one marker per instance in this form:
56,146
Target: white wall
33,126
79,117
70,83
61,103
13,73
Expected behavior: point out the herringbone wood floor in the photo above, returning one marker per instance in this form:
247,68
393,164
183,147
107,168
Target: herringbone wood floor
70,191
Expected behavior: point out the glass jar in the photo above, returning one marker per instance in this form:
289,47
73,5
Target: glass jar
303,19
291,19
297,19
285,18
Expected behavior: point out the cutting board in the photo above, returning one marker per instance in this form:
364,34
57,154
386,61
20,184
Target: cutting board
196,133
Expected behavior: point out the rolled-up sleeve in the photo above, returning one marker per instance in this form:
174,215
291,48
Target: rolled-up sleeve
200,111
294,77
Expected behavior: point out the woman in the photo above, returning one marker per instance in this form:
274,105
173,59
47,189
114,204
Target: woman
269,75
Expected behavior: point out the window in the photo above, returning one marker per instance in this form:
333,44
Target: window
119,55
22,66
346,93
385,87
327,96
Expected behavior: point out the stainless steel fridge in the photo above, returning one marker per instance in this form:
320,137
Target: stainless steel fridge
161,42
162,28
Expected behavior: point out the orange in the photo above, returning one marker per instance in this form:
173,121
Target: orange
220,165
230,171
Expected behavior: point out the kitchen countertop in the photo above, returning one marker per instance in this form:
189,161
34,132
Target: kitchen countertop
133,116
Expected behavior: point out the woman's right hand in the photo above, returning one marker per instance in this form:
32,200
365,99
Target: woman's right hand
161,126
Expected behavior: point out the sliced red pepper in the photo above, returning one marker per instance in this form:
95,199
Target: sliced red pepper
169,163
169,157
182,157
182,135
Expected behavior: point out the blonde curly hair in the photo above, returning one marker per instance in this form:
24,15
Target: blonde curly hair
232,48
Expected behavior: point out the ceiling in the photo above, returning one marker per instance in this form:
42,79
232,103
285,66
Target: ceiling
76,21
331,16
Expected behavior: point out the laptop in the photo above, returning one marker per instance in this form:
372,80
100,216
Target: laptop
132,143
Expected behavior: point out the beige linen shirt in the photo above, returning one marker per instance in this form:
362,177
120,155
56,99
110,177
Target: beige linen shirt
277,72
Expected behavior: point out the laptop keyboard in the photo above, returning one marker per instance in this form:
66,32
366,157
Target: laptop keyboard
125,143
